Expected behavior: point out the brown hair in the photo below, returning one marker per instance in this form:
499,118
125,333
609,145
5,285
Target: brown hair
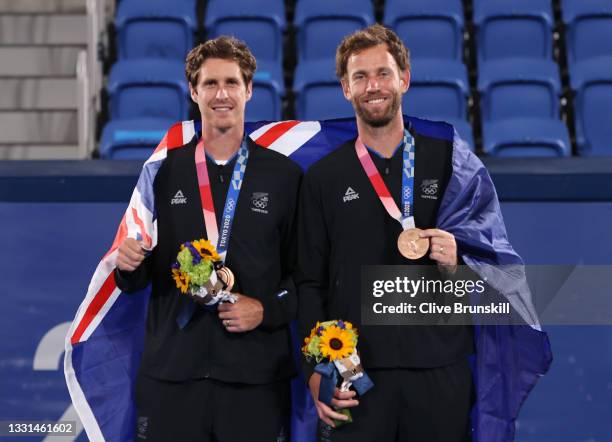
369,37
224,47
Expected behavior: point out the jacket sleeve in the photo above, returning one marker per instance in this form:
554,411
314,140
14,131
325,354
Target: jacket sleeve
312,276
280,308
130,282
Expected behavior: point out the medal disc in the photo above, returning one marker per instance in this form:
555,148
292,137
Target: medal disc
411,245
226,275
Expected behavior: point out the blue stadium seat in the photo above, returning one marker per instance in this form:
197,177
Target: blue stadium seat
438,90
268,90
259,23
322,24
589,29
591,80
526,137
429,28
464,129
155,28
514,88
132,138
517,28
148,88
318,92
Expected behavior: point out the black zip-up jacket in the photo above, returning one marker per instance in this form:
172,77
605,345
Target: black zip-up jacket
343,225
261,254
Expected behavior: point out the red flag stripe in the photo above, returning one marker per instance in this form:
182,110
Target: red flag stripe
94,307
175,136
275,132
119,237
146,238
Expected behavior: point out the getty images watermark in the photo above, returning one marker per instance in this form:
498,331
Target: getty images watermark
427,295
533,295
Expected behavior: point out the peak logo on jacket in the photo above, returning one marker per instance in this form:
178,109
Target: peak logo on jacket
350,195
178,198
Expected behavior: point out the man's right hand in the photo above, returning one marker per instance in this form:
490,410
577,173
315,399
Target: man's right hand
341,399
130,255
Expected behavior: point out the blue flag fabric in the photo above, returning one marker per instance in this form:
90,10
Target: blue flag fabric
105,341
509,358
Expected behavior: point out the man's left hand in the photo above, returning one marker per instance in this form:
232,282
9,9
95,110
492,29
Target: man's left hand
244,315
442,248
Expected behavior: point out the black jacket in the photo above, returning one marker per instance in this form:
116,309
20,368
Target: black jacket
261,254
339,232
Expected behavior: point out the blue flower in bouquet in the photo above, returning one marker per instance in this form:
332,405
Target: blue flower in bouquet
196,258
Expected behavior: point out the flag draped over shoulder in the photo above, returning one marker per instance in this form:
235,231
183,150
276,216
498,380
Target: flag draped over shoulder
509,358
105,341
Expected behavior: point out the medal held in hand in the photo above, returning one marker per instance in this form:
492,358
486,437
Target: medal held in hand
409,242
226,277
411,245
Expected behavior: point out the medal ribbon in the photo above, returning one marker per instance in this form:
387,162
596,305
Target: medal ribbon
405,217
220,239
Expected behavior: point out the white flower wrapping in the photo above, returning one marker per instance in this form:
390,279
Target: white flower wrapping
212,292
350,369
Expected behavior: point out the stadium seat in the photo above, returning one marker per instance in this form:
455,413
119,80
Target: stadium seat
132,138
464,129
589,29
259,23
429,28
155,28
514,88
318,92
148,88
438,90
591,80
517,28
268,90
322,24
526,137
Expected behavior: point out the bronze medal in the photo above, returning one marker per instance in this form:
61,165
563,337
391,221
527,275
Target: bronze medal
227,277
410,245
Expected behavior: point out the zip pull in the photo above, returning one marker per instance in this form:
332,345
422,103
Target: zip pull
220,172
387,166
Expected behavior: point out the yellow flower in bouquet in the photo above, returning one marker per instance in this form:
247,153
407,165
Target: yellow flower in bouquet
336,343
181,279
206,250
305,346
334,339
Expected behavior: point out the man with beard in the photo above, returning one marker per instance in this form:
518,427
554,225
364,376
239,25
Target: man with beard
354,205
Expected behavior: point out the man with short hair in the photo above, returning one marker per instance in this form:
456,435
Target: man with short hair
219,374
422,381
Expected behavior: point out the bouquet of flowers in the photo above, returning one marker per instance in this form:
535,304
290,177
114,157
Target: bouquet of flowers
199,272
333,345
